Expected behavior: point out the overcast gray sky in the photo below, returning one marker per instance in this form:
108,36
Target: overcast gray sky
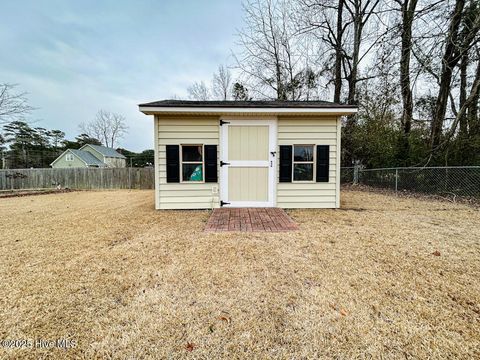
76,57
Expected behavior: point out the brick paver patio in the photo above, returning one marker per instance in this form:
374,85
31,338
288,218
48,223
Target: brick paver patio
250,219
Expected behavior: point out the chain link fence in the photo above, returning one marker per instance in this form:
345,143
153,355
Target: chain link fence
445,181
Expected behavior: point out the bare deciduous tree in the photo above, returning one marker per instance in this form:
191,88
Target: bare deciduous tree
273,57
342,28
360,13
108,127
199,91
473,96
423,54
12,104
461,36
221,83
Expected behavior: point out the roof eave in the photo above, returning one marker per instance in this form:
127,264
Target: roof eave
153,110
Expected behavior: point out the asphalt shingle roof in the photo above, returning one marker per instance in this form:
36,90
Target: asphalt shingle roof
247,104
106,151
87,157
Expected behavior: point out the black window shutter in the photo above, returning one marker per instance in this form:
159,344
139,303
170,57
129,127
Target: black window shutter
173,163
211,163
323,162
285,163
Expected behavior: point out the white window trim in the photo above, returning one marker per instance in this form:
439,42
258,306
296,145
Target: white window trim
69,157
192,162
313,162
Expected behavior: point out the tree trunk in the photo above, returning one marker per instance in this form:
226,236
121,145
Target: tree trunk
278,74
449,60
357,16
463,93
474,92
408,11
472,118
357,38
352,77
338,54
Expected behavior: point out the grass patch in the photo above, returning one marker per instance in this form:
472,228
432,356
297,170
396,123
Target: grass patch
384,277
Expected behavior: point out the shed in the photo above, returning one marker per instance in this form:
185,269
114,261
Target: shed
210,154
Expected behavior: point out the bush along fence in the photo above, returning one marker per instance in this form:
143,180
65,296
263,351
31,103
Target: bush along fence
463,181
78,178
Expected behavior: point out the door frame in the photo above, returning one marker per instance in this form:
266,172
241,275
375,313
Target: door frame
271,121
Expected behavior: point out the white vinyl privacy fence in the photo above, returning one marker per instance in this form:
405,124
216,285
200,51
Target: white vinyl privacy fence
78,178
461,181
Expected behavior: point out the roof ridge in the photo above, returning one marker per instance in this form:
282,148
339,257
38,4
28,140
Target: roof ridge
106,151
86,156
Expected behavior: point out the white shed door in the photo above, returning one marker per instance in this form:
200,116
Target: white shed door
247,176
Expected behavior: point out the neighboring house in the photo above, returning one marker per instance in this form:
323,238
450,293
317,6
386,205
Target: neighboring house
89,156
109,156
247,153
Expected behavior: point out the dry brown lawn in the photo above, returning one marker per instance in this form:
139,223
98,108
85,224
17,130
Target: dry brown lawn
123,280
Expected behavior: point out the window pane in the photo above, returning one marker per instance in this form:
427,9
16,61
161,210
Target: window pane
192,153
303,172
303,153
192,172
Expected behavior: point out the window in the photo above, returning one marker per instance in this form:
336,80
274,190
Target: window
192,162
69,157
303,162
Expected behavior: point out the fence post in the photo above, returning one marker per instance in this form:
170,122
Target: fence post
355,174
130,178
396,180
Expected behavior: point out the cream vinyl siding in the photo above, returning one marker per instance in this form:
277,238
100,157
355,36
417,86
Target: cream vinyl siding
177,130
321,130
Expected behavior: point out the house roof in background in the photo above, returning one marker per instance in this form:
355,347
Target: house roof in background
247,104
88,158
105,151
